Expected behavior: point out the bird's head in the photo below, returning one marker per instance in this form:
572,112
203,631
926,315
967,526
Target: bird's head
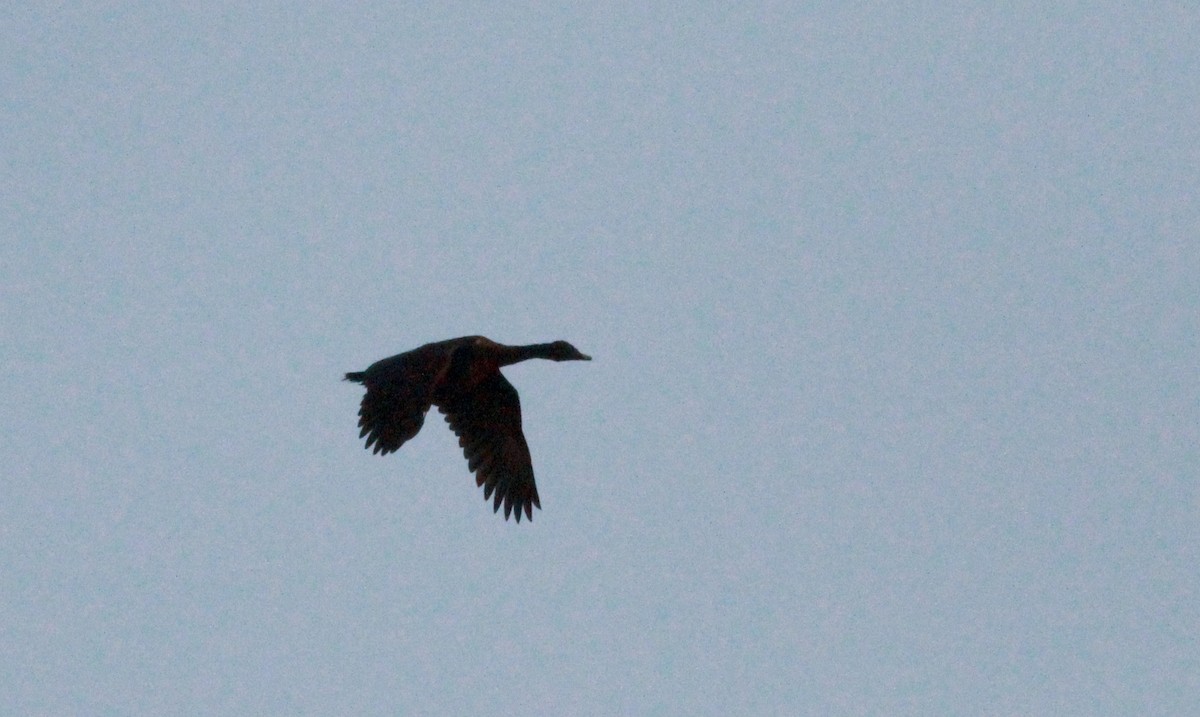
563,351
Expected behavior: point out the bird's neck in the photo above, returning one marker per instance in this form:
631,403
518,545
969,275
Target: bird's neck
515,354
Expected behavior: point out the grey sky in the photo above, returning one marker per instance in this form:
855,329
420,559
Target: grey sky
895,403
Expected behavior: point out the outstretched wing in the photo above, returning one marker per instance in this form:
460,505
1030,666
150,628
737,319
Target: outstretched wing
399,393
487,420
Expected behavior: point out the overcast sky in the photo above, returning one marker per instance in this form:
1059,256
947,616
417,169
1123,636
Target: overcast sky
895,406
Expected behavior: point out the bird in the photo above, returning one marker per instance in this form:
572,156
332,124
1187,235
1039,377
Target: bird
462,378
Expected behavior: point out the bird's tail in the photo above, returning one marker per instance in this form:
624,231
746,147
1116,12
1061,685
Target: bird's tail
357,376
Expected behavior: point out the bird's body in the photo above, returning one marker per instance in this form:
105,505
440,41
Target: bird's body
462,378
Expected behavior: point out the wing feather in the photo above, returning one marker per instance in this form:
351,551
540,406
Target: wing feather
399,393
487,420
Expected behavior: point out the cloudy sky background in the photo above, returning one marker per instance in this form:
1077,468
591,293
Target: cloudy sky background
895,403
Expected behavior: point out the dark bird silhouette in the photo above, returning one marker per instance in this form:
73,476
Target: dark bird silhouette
462,378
